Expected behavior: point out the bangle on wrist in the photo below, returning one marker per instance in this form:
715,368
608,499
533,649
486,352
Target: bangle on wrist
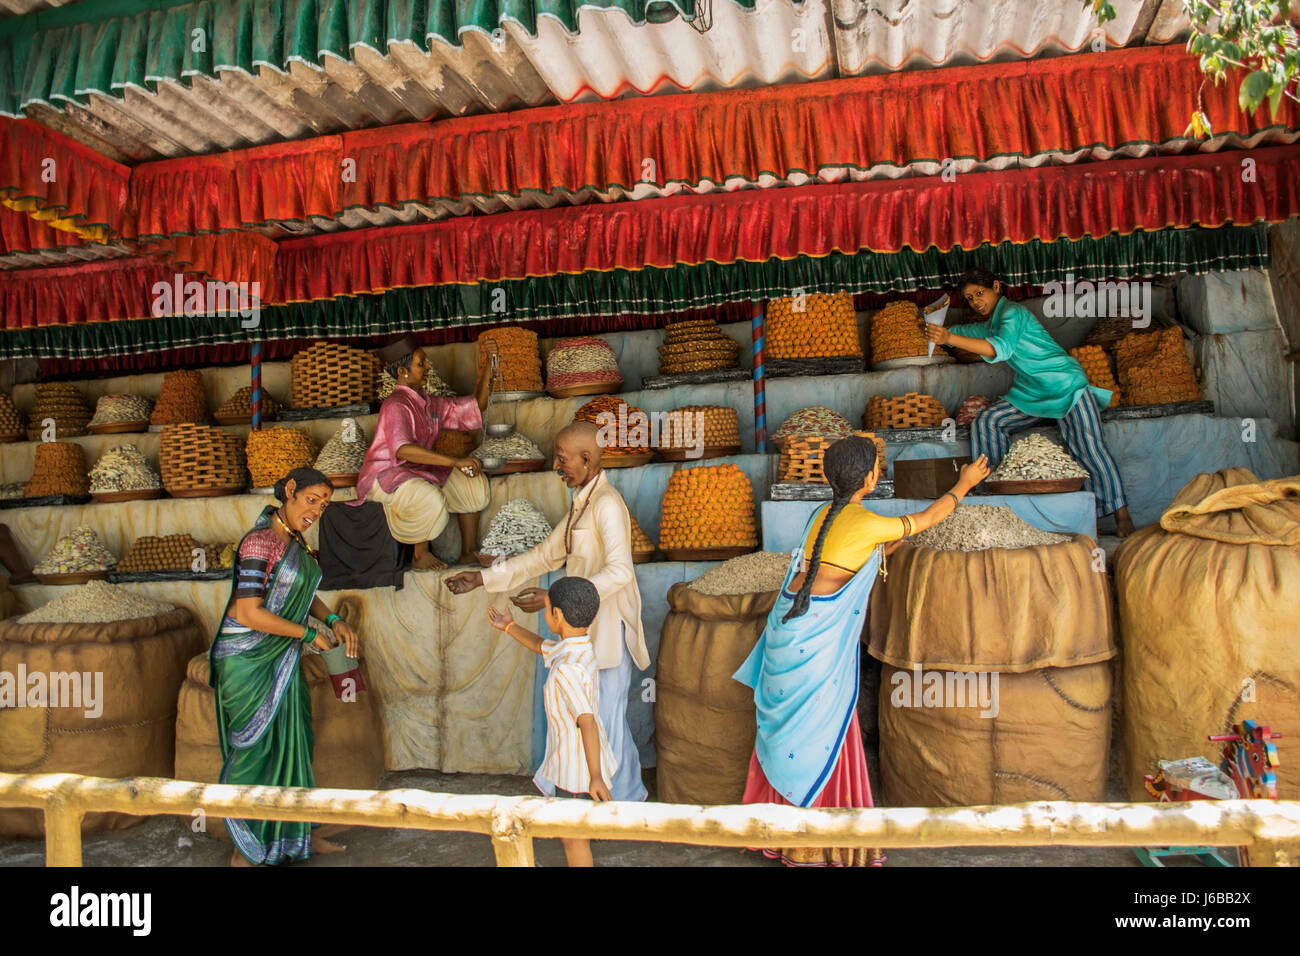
955,500
330,621
309,636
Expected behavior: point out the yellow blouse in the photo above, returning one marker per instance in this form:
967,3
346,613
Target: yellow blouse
854,535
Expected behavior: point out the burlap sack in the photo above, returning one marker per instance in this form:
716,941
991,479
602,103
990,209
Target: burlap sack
1048,741
1009,611
1208,613
143,664
704,720
349,747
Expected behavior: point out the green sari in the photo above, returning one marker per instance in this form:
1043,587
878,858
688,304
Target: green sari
263,705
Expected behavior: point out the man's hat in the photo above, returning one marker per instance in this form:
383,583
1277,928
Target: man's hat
397,350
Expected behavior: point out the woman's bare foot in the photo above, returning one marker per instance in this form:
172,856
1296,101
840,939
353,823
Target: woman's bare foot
237,859
321,845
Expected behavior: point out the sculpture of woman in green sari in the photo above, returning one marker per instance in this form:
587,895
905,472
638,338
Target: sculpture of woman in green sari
263,706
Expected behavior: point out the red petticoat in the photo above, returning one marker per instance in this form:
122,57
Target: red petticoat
848,786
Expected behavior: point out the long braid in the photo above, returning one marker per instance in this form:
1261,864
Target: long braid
847,463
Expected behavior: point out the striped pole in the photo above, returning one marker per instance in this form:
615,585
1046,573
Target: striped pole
255,357
760,395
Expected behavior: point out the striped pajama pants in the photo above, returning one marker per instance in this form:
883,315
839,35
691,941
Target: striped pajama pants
1081,430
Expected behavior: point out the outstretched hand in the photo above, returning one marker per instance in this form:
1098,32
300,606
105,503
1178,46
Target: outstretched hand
464,582
501,620
530,600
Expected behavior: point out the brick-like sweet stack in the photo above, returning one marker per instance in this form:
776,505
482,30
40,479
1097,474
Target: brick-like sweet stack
328,375
199,458
912,410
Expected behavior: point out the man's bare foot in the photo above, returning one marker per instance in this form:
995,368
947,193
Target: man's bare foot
237,859
331,830
428,562
1123,523
321,845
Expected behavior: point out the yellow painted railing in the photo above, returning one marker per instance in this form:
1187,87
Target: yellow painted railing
1271,829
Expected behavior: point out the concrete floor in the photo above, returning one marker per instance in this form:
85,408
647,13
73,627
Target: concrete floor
168,841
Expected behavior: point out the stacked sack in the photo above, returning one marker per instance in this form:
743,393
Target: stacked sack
1154,368
60,470
582,362
274,452
697,346
62,403
181,400
710,506
521,359
897,332
1097,367
827,327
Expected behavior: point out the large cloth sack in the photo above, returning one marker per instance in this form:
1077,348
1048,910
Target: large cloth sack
349,747
704,720
142,665
1049,741
1004,610
1208,613
10,605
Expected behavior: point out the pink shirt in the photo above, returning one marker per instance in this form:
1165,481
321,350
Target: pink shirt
409,418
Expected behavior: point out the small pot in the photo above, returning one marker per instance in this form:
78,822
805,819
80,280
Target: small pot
500,430
492,464
337,661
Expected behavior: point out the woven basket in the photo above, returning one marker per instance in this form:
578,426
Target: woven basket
802,456
329,374
912,410
197,457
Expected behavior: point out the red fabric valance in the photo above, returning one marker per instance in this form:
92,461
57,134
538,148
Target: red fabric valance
87,292
1093,199
19,232
80,185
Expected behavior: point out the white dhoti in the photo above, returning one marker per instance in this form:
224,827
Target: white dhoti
614,685
418,510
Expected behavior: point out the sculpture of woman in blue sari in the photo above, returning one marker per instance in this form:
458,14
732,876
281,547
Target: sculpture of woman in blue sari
804,668
263,705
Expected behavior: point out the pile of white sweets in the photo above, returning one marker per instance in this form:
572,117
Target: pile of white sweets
513,447
1037,458
96,602
123,468
114,409
76,553
516,528
983,527
748,574
343,457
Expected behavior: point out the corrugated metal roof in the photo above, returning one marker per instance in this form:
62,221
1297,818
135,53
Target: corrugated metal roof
610,56
16,8
64,255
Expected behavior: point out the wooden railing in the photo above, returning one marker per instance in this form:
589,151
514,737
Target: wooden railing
1271,829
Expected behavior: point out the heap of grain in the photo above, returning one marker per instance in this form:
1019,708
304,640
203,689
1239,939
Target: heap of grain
989,693
512,447
814,420
345,452
60,469
13,427
349,750
239,407
1154,368
704,720
1207,613
587,363
170,552
77,553
897,331
123,724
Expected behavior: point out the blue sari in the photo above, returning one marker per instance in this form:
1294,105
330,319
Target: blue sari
805,679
